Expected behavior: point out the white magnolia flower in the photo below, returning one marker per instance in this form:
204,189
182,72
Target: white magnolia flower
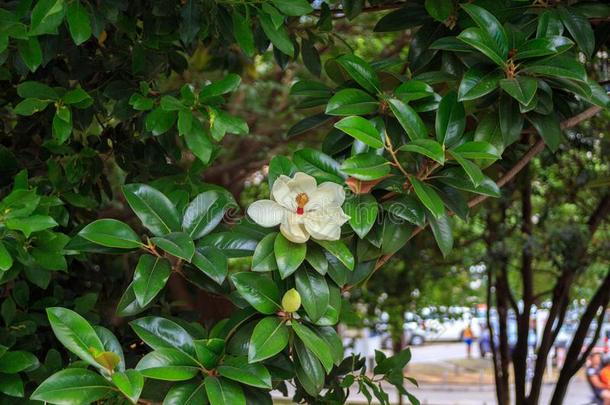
302,208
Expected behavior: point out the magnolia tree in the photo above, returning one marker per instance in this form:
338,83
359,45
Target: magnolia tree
101,109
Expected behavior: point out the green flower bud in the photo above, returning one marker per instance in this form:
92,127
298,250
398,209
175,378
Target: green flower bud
291,301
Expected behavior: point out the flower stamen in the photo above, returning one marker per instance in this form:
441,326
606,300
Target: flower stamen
301,200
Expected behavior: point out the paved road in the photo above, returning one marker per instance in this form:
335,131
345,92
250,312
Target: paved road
437,352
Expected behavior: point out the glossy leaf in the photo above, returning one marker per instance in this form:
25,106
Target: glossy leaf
408,119
203,214
521,88
149,278
315,344
130,383
366,166
361,72
450,119
339,250
167,364
73,386
177,244
270,336
478,83
75,333
490,25
222,391
362,210
314,292
428,196
154,209
426,147
362,130
351,102
161,333
264,256
288,255
259,290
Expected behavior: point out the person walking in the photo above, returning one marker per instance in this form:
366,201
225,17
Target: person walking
468,337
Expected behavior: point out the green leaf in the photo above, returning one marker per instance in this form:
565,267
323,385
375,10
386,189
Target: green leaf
224,392
203,214
187,393
130,383
361,72
407,208
490,25
309,370
441,229
212,262
150,277
548,128
111,233
362,130
579,27
75,333
510,119
366,166
340,250
77,96
11,385
264,257
428,196
450,119
477,38
293,7
161,333
278,36
30,106
362,210
73,386
549,24
78,22
426,147
36,90
270,336
243,33
315,344
413,90
333,341
30,52
177,244
473,171
288,255
477,150
394,236
198,141
316,258
31,224
159,121
408,119
46,17
226,85
209,351
457,178
439,9
351,102
62,124
167,364
141,103
154,209
561,66
14,362
238,369
543,47
314,293
521,88
6,260
259,290
317,164
478,83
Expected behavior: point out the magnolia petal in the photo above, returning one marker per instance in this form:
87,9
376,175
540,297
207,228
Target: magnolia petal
282,193
303,183
325,224
266,213
326,195
293,229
